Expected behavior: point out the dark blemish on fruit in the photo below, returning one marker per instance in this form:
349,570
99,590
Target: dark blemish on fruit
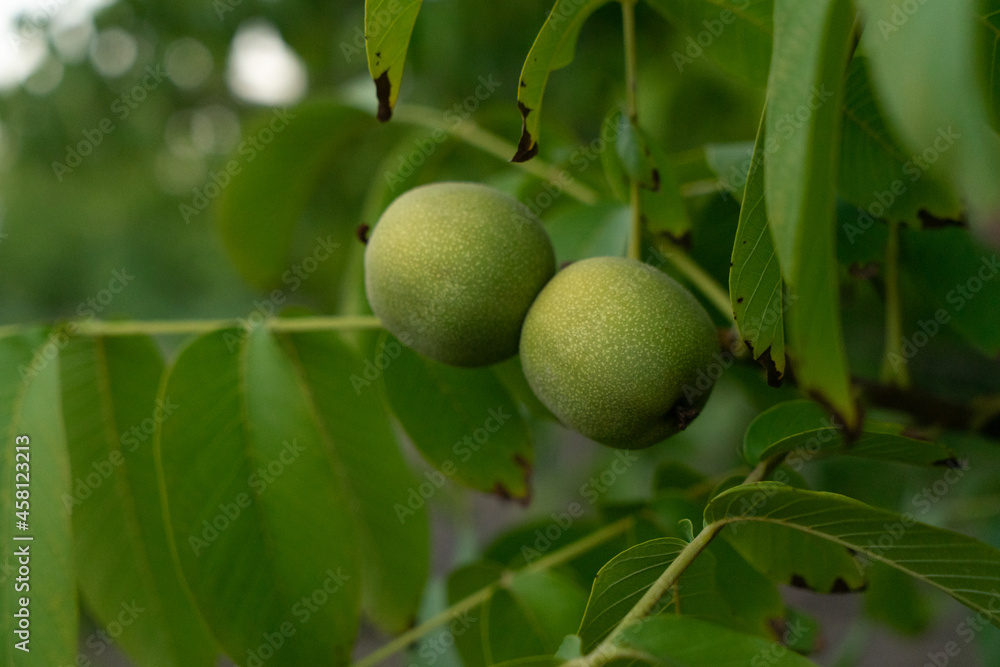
362,233
383,90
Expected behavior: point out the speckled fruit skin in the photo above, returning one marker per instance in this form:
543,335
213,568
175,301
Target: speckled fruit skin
609,345
452,268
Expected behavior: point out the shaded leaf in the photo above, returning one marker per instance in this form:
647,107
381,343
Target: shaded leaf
755,286
392,528
811,48
529,613
248,474
894,599
109,388
989,24
805,429
30,406
553,49
625,579
876,174
964,568
682,641
388,27
261,205
933,96
962,283
736,34
462,420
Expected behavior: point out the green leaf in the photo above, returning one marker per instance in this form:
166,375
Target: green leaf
125,568
626,577
964,568
462,420
811,47
963,284
553,49
261,205
876,174
805,429
30,408
736,34
754,599
633,148
933,96
257,503
682,641
529,613
894,599
989,23
755,287
388,27
590,231
392,528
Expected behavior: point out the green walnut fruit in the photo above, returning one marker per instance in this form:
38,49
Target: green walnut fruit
452,268
614,348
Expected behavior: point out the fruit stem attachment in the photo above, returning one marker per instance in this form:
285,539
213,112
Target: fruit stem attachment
558,557
894,368
632,109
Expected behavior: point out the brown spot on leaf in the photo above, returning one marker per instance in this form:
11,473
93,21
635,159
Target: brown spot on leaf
739,300
362,233
527,147
930,221
951,462
682,240
656,180
383,90
774,376
863,271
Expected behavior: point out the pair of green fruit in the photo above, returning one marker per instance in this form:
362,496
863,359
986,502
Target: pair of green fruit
463,274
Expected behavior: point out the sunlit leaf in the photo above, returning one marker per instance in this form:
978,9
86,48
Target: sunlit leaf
125,568
811,46
553,49
388,26
30,417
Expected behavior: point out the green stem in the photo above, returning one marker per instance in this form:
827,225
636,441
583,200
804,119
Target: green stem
607,651
894,369
701,279
97,328
632,109
474,135
558,557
